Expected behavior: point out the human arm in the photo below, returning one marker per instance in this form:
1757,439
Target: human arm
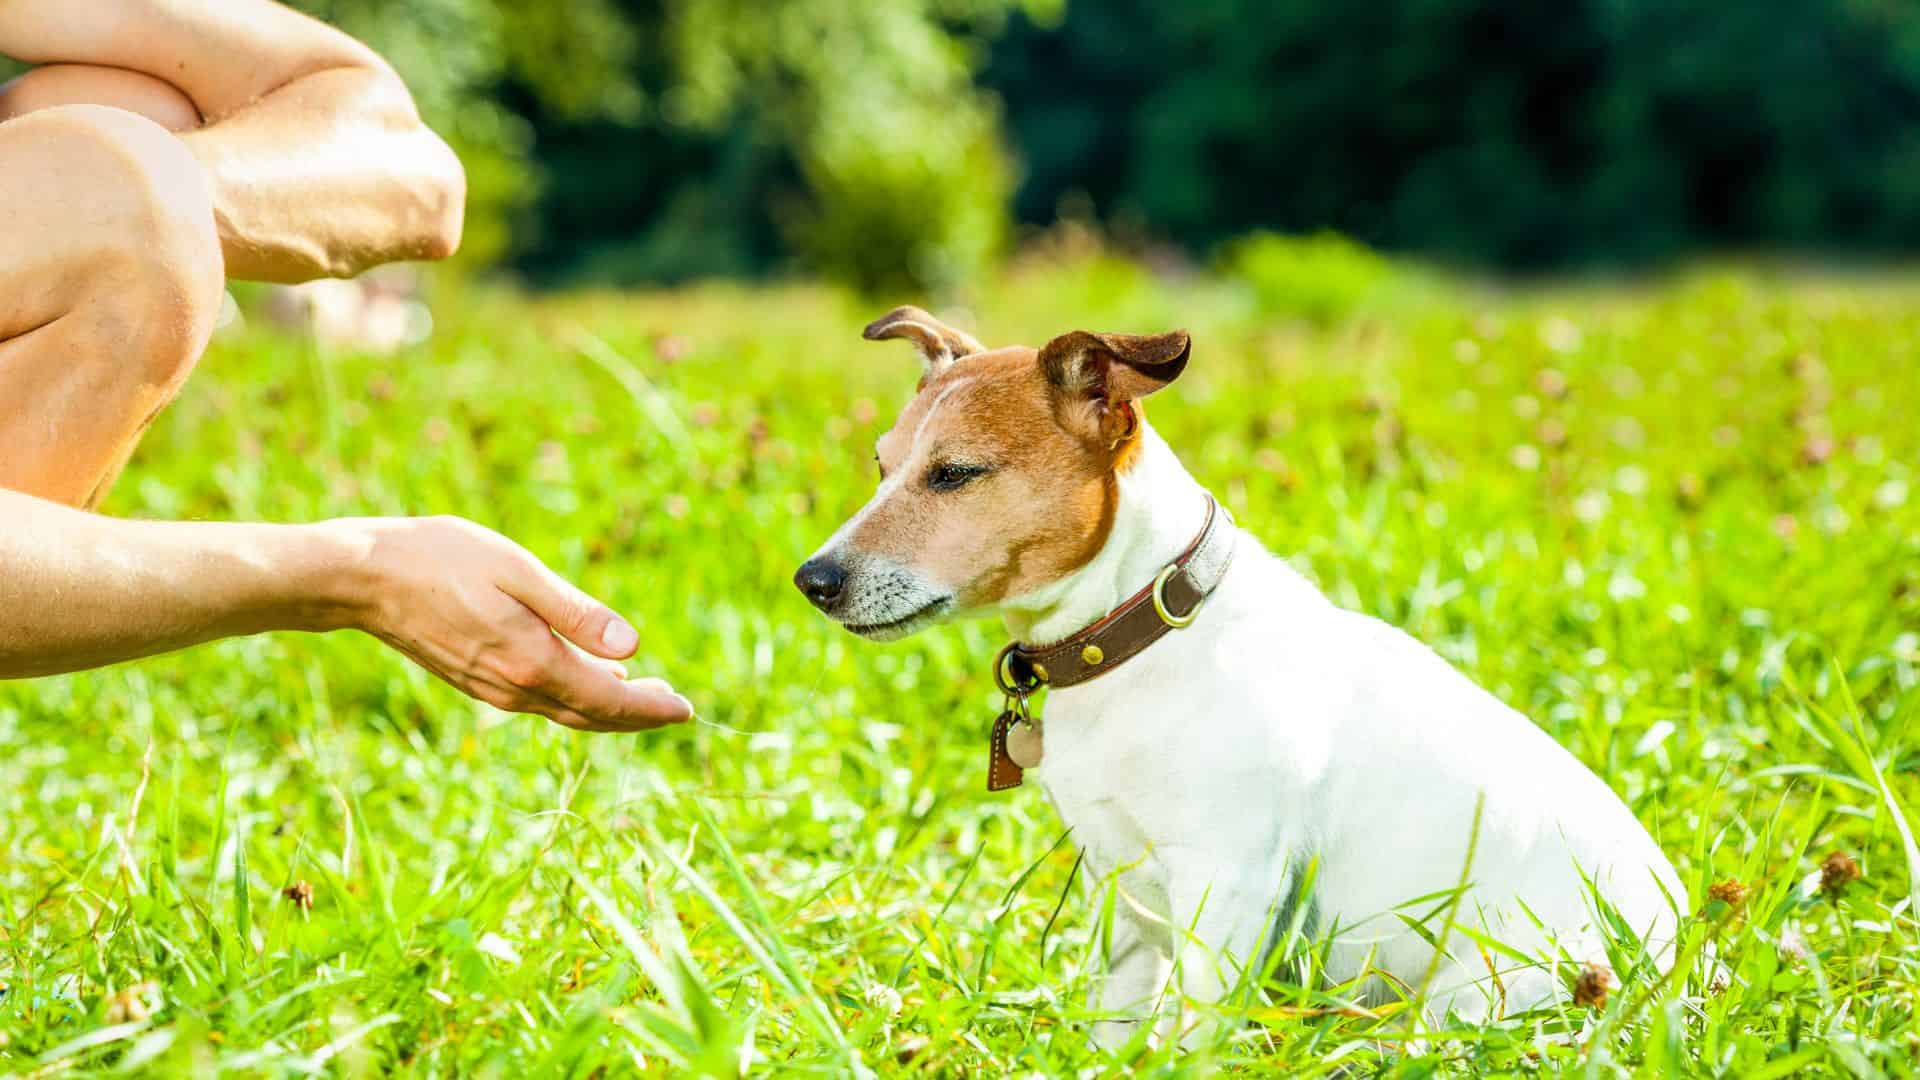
78,590
316,155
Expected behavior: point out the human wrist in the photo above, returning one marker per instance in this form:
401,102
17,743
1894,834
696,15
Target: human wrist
332,580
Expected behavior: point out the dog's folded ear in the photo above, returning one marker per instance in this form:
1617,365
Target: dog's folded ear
1114,368
939,344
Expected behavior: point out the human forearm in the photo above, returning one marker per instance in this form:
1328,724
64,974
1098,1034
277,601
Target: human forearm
329,175
78,590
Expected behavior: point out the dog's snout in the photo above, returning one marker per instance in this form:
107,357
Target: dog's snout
823,581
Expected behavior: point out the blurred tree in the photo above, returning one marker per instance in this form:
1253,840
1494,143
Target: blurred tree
848,133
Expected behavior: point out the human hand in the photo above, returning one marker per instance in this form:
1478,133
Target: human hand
480,612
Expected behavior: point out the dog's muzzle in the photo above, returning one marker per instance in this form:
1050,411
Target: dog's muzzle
874,597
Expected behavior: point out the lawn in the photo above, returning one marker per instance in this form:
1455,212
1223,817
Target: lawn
1677,524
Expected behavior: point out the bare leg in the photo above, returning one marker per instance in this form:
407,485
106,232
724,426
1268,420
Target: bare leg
110,280
50,85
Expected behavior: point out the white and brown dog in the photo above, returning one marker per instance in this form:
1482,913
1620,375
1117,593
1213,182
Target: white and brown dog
1240,755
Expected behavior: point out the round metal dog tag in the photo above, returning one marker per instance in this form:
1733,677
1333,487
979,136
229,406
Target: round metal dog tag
1024,744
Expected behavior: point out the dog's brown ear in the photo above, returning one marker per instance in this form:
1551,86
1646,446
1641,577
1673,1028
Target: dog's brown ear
1114,368
939,344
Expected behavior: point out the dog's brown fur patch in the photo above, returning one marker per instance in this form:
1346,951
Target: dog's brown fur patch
1052,429
1042,511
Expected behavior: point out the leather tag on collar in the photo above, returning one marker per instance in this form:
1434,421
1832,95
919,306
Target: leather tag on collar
1002,771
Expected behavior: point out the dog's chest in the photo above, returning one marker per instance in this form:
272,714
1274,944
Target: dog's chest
1103,790
1102,796
1138,770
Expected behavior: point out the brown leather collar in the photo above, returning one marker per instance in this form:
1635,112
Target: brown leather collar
1169,602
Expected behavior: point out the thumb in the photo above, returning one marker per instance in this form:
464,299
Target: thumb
573,614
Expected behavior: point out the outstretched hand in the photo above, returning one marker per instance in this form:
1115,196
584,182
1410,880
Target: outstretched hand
482,613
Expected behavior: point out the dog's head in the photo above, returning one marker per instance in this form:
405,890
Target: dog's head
997,479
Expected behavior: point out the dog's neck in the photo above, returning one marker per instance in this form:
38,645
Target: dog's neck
1158,511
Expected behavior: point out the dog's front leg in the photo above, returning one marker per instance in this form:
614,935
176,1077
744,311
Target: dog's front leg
1224,922
1126,994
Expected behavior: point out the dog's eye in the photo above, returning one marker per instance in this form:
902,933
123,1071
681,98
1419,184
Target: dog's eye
951,475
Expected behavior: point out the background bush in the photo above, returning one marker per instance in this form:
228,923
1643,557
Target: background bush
1321,278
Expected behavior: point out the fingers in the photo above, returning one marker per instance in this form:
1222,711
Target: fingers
584,687
538,673
584,693
573,614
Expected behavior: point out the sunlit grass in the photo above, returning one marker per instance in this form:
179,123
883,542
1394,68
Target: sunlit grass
1677,525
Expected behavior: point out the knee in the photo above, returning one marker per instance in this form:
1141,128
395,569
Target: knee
144,254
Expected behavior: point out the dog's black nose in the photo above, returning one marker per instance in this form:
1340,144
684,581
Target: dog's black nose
823,580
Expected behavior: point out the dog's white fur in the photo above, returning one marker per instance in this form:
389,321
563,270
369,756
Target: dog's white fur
1279,732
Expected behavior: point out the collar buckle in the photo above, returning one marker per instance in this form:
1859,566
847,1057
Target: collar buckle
1176,622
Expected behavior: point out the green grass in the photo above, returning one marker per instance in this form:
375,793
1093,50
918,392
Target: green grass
1678,526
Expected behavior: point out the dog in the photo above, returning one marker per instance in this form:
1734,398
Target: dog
1243,760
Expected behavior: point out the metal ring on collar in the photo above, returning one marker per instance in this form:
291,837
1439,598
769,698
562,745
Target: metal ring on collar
1003,675
1178,622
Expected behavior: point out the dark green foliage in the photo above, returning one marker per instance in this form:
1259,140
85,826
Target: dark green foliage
1502,131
